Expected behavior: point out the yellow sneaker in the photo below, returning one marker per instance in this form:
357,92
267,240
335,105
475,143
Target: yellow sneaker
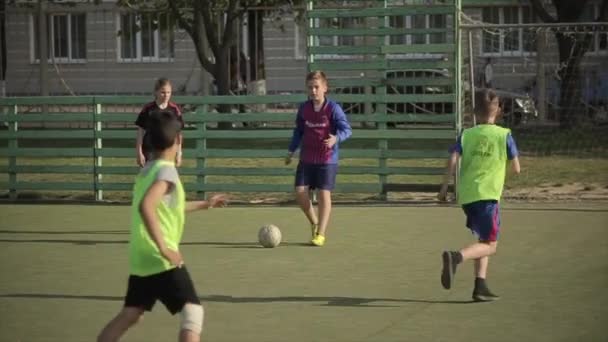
318,240
314,229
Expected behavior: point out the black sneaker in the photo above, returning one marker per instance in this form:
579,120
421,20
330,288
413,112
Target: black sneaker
484,295
449,269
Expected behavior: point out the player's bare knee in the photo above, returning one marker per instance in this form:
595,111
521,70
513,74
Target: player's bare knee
301,190
491,245
192,317
132,317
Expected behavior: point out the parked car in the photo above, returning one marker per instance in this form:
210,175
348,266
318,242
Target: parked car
517,109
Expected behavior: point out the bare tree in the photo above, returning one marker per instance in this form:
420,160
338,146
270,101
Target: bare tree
572,47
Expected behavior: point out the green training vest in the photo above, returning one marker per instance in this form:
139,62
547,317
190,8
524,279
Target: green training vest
144,257
483,163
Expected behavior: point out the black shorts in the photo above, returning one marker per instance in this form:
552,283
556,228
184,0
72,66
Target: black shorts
173,288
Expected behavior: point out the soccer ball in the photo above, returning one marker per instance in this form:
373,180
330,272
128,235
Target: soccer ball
269,236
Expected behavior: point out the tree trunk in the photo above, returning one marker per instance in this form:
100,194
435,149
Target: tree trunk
571,52
222,79
257,68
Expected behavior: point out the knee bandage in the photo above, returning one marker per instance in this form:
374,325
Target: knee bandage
192,318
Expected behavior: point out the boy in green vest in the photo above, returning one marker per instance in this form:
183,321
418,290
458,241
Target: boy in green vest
157,270
483,152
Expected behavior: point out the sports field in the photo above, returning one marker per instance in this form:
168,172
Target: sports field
64,268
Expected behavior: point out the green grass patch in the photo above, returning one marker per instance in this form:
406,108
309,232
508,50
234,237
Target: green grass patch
377,278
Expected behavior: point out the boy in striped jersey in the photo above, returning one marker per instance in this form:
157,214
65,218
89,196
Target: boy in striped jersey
321,126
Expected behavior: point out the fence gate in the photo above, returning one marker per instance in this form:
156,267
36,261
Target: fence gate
395,68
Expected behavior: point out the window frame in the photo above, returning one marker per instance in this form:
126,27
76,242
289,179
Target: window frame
51,58
409,40
595,48
520,52
139,58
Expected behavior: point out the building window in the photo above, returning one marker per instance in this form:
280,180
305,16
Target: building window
339,23
599,43
300,43
66,41
509,41
421,22
145,38
330,23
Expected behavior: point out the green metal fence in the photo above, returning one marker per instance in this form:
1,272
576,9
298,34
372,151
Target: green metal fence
32,137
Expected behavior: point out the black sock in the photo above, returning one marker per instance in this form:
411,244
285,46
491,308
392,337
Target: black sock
457,257
480,283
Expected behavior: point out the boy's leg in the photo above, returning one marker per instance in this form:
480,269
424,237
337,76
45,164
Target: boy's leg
325,182
478,250
192,323
483,219
303,199
179,296
481,292
125,319
324,210
303,182
481,267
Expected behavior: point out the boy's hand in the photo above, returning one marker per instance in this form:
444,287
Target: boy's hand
141,159
178,159
288,158
331,141
219,200
442,196
174,257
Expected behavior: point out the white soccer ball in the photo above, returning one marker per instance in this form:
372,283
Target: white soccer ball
269,236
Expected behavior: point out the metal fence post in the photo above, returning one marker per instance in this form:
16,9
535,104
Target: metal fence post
13,145
97,158
201,151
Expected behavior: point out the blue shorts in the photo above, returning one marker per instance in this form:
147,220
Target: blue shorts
483,219
317,176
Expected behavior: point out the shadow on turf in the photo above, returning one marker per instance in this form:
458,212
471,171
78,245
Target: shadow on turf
331,301
219,244
64,232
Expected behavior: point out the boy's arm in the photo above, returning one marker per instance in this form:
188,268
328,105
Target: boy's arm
147,209
343,129
450,171
513,154
215,201
515,167
138,146
296,138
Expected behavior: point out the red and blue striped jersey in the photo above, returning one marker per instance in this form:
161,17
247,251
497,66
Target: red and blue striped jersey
313,127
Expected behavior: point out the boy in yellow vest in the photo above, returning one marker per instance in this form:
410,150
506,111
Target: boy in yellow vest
483,152
156,267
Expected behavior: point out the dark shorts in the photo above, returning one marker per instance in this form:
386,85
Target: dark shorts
316,176
173,288
483,218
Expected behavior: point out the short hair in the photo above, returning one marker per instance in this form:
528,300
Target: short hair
485,100
161,82
316,75
164,127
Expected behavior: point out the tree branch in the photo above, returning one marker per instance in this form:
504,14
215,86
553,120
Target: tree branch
541,11
180,19
210,30
231,15
195,34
